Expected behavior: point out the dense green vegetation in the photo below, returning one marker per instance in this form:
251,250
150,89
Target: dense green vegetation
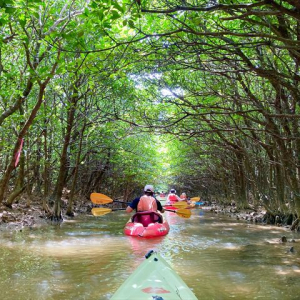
110,95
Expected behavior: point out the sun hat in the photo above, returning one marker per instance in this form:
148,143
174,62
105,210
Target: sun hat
149,188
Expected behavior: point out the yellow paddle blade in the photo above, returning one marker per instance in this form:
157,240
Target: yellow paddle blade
184,213
100,211
180,204
98,198
195,199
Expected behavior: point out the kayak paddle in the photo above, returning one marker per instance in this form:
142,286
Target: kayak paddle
98,198
100,211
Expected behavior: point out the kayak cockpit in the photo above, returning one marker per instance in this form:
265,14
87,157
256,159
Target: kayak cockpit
147,224
146,218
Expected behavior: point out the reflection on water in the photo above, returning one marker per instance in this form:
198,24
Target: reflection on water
89,258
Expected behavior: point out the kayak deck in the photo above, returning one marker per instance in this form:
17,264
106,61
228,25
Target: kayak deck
154,279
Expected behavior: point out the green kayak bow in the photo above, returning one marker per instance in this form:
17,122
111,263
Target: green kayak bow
154,279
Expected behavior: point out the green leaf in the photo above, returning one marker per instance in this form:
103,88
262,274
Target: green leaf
118,7
101,15
5,3
10,10
2,21
86,11
115,15
107,25
22,21
80,33
131,24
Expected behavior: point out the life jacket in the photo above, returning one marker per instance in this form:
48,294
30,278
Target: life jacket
147,203
172,197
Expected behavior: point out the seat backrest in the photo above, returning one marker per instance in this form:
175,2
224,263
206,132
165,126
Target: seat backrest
145,218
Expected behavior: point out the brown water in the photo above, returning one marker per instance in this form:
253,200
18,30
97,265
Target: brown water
89,258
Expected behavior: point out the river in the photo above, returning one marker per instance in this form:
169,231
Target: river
89,258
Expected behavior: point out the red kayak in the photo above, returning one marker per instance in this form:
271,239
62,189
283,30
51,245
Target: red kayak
147,224
170,207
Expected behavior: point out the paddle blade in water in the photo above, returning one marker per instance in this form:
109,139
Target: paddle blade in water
98,198
100,211
195,199
184,213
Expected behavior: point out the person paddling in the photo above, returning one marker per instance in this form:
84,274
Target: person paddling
183,197
162,194
146,202
172,197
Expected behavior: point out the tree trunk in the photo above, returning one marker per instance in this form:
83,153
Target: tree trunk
19,187
22,133
57,194
46,166
70,201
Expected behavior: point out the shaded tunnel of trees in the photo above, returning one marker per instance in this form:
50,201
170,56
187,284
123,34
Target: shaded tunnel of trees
108,95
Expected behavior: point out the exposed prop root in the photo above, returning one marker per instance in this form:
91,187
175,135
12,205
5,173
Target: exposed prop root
295,225
70,214
54,220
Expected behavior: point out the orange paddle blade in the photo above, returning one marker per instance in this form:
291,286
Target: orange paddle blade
98,198
100,211
184,213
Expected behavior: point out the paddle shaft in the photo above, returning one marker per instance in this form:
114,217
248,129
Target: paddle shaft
100,211
112,209
115,209
119,201
174,211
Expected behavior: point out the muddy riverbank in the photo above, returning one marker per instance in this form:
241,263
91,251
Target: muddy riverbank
257,215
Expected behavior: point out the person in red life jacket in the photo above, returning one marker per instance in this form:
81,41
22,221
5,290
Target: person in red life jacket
147,202
172,197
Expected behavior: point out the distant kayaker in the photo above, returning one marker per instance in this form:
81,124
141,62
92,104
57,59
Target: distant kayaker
183,197
147,202
172,197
